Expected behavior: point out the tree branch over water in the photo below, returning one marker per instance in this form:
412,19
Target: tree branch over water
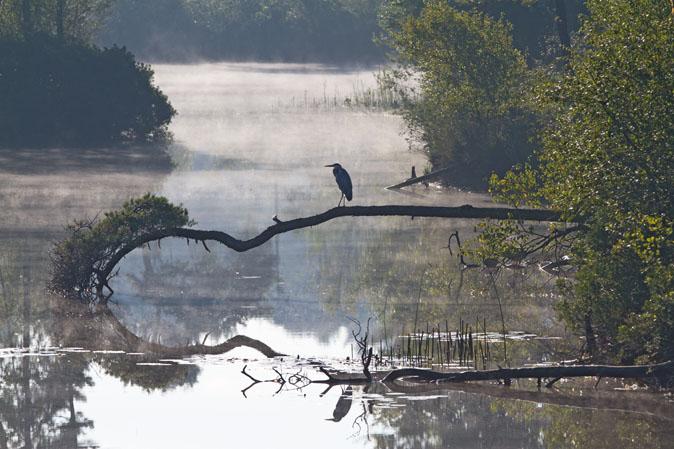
84,262
281,227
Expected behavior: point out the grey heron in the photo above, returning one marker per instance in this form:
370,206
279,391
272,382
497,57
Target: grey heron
343,181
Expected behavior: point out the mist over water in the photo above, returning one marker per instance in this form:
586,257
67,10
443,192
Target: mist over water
250,142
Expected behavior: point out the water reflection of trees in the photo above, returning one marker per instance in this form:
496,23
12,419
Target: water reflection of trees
588,428
395,270
41,388
440,418
180,293
37,407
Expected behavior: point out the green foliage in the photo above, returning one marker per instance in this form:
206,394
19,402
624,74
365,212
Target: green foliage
608,160
79,19
10,19
92,244
56,92
473,114
535,30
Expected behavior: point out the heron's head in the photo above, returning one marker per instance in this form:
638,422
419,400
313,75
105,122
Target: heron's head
334,165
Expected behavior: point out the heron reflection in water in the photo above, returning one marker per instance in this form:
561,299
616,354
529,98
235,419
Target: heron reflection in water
343,181
343,405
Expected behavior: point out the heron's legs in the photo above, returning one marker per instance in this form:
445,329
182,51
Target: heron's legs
340,200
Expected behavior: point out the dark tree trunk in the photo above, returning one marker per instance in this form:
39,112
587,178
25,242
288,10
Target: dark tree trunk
27,24
562,27
589,336
60,6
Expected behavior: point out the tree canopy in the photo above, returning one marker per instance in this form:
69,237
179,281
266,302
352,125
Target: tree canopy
58,89
608,156
472,114
56,92
76,19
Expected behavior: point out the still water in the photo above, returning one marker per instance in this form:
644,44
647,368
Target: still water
250,142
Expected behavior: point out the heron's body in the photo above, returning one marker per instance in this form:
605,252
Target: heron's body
343,182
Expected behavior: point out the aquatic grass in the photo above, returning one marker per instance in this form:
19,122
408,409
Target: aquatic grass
384,97
467,346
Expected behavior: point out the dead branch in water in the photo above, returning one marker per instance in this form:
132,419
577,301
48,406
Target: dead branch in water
418,179
416,375
364,350
426,381
665,369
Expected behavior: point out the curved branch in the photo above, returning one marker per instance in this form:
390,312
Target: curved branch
129,340
280,227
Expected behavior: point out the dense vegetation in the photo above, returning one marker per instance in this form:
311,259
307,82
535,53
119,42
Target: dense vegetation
63,93
77,260
279,30
58,89
607,159
474,114
587,117
590,123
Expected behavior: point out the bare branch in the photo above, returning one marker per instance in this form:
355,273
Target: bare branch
465,211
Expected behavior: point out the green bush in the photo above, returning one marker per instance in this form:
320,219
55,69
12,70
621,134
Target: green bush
79,260
56,92
473,114
608,161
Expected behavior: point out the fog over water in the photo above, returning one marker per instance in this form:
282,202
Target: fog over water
250,142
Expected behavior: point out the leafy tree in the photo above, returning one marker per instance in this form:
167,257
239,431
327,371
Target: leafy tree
472,114
56,92
57,89
608,161
539,26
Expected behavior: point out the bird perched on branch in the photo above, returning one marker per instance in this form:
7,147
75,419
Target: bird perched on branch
343,181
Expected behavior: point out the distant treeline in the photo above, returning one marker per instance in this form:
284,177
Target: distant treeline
349,31
276,30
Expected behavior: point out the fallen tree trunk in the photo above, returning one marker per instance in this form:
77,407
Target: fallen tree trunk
84,262
662,370
554,372
636,402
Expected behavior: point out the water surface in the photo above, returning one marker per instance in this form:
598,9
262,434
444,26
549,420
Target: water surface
251,142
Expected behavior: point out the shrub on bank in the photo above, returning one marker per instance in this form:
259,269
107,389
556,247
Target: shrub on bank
57,92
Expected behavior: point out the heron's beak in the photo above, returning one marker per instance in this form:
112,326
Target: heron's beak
331,165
